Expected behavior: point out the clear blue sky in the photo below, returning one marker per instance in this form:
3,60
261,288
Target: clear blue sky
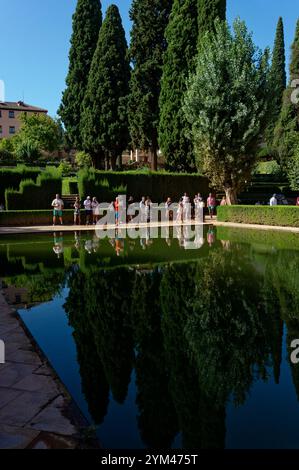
35,34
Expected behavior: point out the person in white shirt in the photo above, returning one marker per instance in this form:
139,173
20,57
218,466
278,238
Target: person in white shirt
95,210
88,209
58,206
273,200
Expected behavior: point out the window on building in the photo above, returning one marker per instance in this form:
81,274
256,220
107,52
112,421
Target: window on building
12,130
0,113
11,114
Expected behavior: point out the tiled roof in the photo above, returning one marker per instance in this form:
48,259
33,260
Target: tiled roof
20,106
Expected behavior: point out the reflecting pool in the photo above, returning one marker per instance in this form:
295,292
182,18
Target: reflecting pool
167,342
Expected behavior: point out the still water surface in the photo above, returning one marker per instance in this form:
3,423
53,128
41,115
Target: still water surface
163,343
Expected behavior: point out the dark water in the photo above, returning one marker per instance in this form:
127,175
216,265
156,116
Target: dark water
168,343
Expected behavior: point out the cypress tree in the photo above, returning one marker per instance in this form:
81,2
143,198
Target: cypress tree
208,11
148,44
87,21
278,80
286,133
104,121
181,36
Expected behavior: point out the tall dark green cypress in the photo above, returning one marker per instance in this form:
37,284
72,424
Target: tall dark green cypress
278,80
87,22
104,119
286,133
181,36
208,11
148,44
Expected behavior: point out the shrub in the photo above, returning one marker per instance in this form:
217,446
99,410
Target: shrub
83,160
32,217
37,195
158,185
12,177
284,216
65,168
27,150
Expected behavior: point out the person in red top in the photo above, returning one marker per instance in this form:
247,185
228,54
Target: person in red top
211,203
116,210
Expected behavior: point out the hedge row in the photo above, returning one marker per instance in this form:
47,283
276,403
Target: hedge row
33,195
284,216
31,218
10,178
106,185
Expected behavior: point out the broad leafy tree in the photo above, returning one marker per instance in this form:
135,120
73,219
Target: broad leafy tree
227,106
87,22
104,120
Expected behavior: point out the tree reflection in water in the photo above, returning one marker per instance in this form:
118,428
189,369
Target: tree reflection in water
197,334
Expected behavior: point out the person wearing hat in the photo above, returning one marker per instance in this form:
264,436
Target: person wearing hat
273,200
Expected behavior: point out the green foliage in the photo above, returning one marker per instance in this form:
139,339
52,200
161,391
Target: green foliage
147,47
6,151
226,104
268,168
33,195
83,160
181,35
40,131
11,178
104,126
87,22
284,216
286,133
278,81
27,151
158,186
65,168
70,185
208,12
293,171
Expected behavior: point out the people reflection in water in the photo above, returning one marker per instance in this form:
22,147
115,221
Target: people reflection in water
211,236
77,236
118,243
58,244
88,246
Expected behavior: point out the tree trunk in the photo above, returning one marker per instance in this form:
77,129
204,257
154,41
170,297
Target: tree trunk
106,163
231,196
113,163
154,158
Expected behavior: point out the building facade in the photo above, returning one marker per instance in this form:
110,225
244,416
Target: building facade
10,116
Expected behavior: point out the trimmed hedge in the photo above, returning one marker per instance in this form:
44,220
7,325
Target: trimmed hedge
158,185
284,216
31,218
10,178
33,195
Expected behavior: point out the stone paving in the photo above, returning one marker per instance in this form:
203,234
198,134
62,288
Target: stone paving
35,409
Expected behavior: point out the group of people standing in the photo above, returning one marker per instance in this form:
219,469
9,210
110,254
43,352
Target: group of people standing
185,210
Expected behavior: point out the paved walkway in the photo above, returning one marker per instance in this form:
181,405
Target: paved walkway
35,409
